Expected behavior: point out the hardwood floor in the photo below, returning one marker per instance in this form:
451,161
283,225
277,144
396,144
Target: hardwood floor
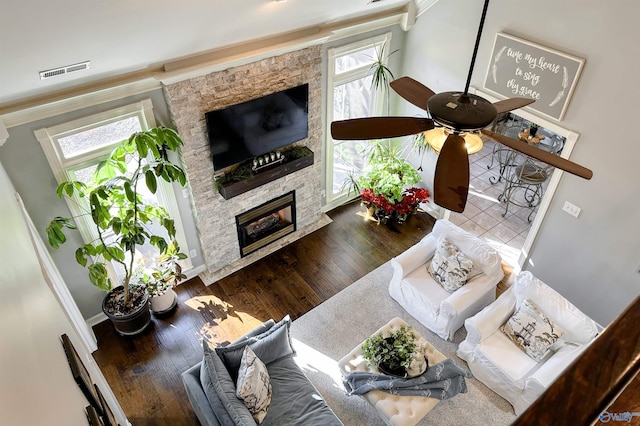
144,371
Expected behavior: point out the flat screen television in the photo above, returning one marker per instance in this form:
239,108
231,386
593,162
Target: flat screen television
266,124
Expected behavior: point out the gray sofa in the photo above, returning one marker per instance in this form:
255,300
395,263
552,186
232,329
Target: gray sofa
210,384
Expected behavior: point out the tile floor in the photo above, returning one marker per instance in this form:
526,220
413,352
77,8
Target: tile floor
483,213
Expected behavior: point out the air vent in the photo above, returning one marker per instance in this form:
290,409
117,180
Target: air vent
65,70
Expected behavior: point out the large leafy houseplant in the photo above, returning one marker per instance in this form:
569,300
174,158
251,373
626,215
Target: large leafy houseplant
121,218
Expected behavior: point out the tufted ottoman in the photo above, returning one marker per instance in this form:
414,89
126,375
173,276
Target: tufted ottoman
395,410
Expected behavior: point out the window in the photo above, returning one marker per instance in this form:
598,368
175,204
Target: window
75,148
350,95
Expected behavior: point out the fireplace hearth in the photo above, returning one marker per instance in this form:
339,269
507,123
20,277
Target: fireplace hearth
266,223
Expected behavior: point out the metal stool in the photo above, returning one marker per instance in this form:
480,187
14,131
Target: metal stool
502,154
526,179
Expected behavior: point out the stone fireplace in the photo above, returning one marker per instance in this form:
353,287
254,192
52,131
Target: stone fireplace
190,99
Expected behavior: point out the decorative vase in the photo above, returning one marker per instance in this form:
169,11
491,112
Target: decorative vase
418,366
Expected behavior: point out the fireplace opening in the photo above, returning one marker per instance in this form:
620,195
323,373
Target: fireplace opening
266,223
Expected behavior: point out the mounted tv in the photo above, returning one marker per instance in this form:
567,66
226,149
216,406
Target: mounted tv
259,126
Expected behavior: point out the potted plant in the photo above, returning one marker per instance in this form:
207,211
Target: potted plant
160,277
122,220
396,354
381,75
386,186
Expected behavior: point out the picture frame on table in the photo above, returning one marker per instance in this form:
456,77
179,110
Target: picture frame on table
81,374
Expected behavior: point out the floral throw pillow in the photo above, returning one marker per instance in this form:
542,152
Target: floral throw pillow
253,386
531,330
449,267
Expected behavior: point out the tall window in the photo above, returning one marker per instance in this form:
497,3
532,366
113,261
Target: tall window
75,148
349,95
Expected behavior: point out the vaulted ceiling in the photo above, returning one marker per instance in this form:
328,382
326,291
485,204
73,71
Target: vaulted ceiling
127,37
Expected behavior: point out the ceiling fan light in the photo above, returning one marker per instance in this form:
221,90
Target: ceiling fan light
473,143
436,137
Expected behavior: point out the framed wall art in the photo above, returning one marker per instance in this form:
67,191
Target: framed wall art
520,68
108,418
93,417
80,374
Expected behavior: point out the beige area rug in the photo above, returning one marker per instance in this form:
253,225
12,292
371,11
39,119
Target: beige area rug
328,332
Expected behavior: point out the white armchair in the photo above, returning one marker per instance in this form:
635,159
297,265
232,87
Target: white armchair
426,300
497,362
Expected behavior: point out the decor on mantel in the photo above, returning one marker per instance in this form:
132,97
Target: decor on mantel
122,221
253,173
386,187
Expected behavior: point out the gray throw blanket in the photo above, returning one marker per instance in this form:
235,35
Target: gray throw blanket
441,381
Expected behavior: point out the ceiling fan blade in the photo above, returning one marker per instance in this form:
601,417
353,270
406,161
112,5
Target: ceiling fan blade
539,154
413,91
379,127
451,179
511,104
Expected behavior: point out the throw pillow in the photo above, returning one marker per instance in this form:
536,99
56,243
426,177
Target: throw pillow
220,391
269,346
254,387
449,267
531,330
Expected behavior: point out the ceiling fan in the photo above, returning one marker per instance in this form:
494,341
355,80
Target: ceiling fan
458,113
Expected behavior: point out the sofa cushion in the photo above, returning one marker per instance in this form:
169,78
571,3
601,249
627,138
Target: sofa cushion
295,401
504,366
253,386
449,266
531,330
220,390
273,344
257,331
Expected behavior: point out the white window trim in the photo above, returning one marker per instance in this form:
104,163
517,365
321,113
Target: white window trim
334,79
59,165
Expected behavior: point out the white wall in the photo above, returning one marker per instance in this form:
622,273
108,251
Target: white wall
36,385
591,259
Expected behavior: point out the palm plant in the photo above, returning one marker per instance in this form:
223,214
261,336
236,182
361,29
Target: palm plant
381,74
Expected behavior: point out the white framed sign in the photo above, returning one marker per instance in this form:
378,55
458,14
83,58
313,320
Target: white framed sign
520,68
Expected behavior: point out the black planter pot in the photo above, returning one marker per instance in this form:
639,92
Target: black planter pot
398,372
130,324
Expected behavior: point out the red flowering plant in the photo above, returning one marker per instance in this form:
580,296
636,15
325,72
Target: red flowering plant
398,211
387,185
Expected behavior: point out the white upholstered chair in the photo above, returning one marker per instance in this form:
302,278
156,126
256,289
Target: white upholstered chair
427,301
501,365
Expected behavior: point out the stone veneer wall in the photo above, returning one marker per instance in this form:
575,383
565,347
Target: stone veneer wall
189,100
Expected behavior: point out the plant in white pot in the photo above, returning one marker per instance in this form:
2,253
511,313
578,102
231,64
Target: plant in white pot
161,277
123,221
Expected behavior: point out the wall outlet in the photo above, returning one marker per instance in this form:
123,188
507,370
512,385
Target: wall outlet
193,253
572,209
